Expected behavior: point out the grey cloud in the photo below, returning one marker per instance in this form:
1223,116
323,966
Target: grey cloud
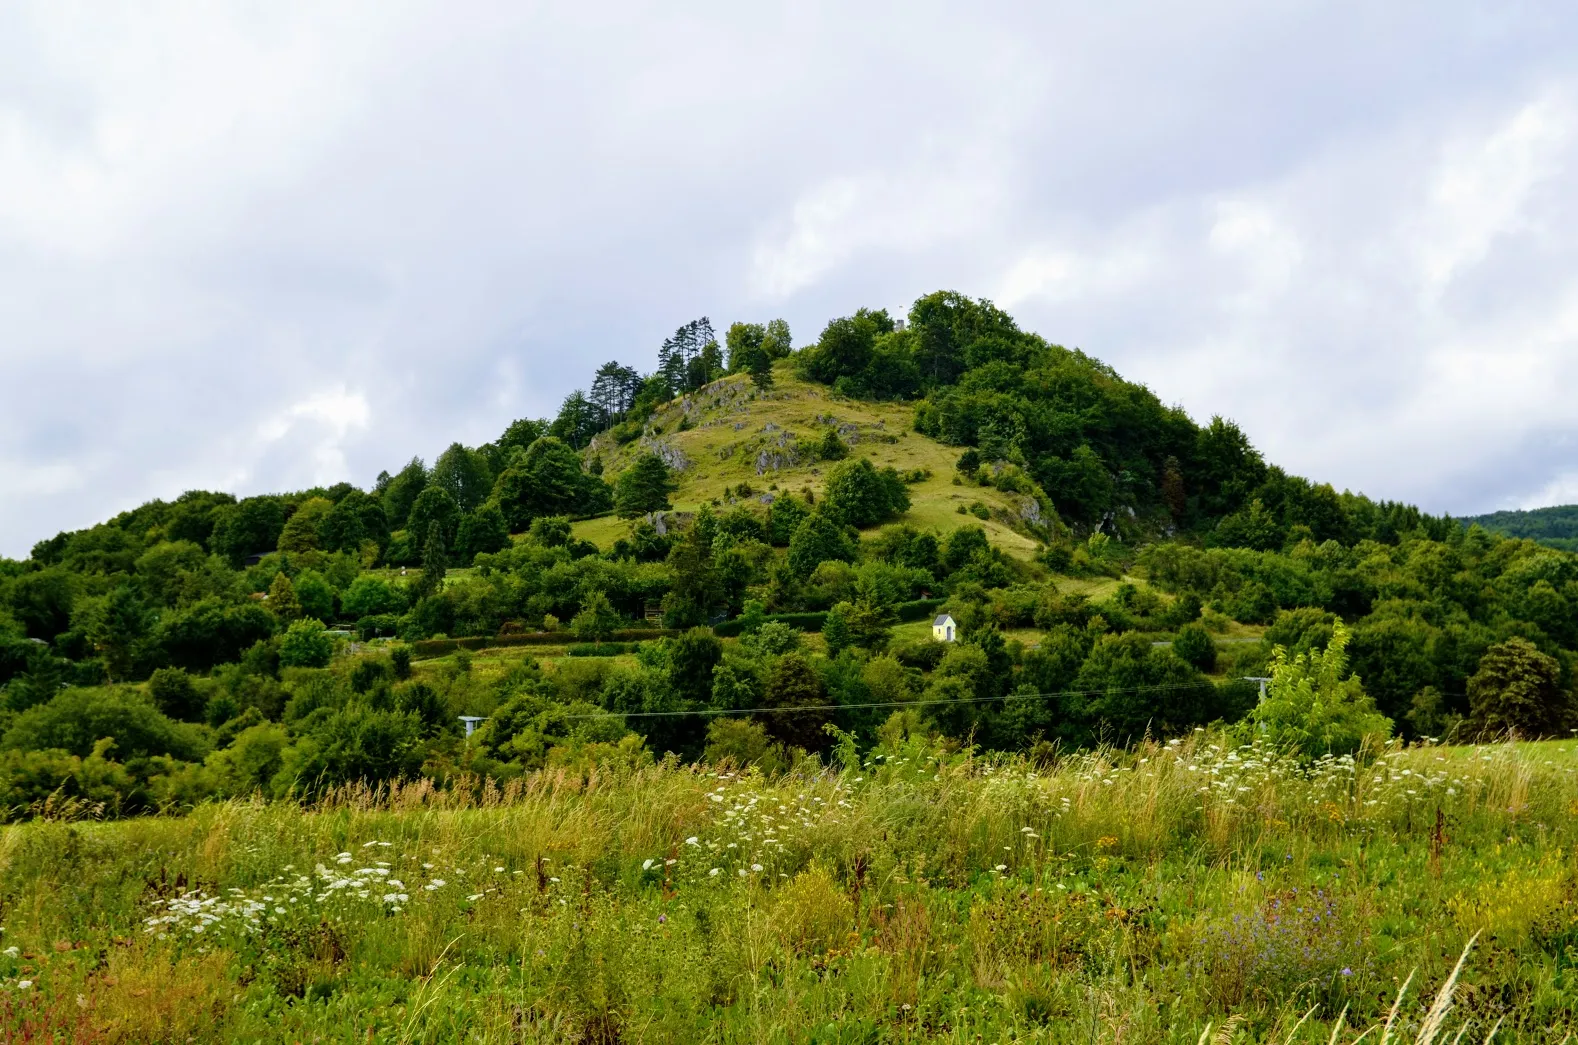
257,248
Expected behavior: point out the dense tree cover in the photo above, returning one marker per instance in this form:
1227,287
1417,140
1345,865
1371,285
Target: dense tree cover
1553,527
1423,612
200,646
1106,453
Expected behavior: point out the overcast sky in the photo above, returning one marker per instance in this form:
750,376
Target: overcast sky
255,247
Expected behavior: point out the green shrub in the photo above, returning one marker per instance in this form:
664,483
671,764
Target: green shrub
76,719
1313,705
1195,646
306,645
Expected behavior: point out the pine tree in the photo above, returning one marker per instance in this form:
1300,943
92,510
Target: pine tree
673,362
614,391
836,632
643,487
761,371
435,560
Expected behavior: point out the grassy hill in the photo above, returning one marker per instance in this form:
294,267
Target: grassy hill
1555,527
791,815
728,434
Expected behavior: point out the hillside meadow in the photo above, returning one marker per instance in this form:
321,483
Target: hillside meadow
730,433
1175,892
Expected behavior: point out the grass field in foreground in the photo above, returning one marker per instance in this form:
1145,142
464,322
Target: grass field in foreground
1120,896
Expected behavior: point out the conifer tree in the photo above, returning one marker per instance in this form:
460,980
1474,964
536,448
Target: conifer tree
282,600
435,559
761,371
643,487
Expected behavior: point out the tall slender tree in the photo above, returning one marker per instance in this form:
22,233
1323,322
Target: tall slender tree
435,560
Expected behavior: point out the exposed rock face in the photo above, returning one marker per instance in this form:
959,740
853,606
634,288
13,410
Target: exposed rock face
667,452
772,460
1030,512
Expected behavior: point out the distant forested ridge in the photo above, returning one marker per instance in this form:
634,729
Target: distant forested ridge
1553,527
1115,569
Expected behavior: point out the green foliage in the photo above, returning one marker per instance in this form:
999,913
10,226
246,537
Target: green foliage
744,344
1553,527
1314,706
251,525
315,595
210,632
777,343
1194,645
643,487
464,475
692,659
547,480
300,533
794,683
356,520
739,742
370,595
77,719
401,491
158,593
435,508
282,599
690,358
820,537
176,695
354,744
597,619
1518,689
550,531
305,645
482,531
863,495
784,517
837,633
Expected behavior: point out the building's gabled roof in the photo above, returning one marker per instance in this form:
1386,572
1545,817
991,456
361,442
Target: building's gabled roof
944,619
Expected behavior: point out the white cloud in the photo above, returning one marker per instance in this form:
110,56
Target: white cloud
20,479
316,428
857,216
1482,189
1563,489
1376,316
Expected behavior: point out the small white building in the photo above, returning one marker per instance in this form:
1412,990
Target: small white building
942,629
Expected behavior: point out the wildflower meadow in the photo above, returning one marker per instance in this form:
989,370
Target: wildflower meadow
1180,892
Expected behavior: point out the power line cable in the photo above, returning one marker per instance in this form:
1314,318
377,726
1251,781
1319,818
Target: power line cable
825,708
